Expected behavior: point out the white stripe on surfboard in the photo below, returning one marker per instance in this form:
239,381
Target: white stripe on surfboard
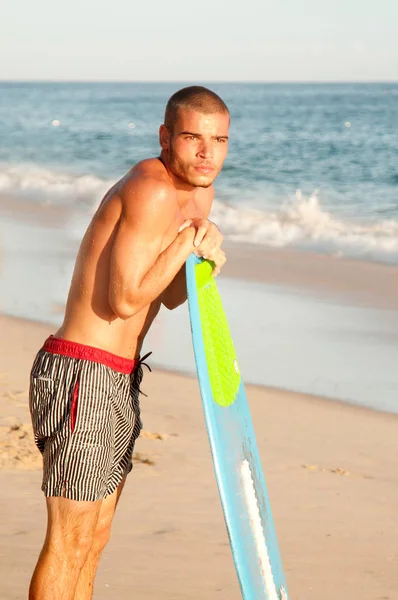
261,545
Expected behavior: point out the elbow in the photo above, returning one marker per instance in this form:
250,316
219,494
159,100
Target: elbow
171,301
168,305
172,305
122,309
124,313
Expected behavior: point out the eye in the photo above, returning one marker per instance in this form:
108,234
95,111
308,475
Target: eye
191,137
221,140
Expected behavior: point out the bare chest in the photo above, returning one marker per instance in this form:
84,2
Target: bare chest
193,210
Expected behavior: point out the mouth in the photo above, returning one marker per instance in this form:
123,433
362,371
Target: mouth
205,170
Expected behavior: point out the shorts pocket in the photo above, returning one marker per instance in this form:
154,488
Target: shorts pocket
47,414
73,409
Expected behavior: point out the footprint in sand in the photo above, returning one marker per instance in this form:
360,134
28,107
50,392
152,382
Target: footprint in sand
336,471
13,394
18,450
138,457
141,458
149,435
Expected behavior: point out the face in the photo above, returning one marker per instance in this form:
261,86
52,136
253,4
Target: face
197,146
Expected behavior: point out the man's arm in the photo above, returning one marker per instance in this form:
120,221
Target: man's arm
176,292
207,242
139,270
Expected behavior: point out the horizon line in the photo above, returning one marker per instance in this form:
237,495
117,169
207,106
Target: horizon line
216,81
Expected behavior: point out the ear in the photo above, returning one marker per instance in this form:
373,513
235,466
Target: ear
164,137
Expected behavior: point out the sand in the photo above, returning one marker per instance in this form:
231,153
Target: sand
358,282
330,470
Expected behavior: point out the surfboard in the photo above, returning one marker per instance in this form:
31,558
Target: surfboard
236,460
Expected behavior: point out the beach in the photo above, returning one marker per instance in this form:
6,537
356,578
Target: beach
329,467
316,335
319,324
310,290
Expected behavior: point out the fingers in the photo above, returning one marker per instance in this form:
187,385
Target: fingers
200,234
218,259
219,262
209,238
209,247
186,224
207,241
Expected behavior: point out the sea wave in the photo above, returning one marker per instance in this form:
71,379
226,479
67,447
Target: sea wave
44,185
302,222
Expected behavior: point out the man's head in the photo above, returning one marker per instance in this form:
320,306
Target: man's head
194,137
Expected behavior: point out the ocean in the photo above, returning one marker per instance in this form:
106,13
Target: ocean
310,167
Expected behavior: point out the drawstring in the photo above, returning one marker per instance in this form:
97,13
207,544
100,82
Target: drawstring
141,362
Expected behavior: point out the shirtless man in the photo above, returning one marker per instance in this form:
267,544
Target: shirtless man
85,380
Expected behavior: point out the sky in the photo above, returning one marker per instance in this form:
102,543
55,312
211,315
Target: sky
207,40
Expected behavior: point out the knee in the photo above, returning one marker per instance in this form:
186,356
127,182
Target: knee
102,535
73,548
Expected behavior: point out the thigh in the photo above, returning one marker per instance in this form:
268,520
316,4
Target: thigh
74,523
105,518
71,521
108,506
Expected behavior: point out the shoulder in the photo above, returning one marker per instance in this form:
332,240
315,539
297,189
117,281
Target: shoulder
147,187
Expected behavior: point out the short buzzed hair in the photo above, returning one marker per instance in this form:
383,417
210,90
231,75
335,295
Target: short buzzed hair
194,97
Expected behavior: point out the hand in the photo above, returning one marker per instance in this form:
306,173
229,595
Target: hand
218,259
207,241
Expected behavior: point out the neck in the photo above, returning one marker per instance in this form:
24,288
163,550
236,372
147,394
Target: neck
185,192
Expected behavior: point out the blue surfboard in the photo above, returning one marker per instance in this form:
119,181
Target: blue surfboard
233,444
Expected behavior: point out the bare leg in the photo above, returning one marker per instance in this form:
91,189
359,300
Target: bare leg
70,535
85,585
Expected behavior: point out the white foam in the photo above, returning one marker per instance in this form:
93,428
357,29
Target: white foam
304,223
53,187
301,223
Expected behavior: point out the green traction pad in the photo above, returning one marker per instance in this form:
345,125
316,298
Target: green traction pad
220,353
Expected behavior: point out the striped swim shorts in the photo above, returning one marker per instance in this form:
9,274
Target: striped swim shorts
86,417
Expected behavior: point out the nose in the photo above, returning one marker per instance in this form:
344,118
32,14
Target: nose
206,150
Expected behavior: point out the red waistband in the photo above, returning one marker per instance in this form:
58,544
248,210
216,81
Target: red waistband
76,350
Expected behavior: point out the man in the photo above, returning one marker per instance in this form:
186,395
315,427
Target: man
85,380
